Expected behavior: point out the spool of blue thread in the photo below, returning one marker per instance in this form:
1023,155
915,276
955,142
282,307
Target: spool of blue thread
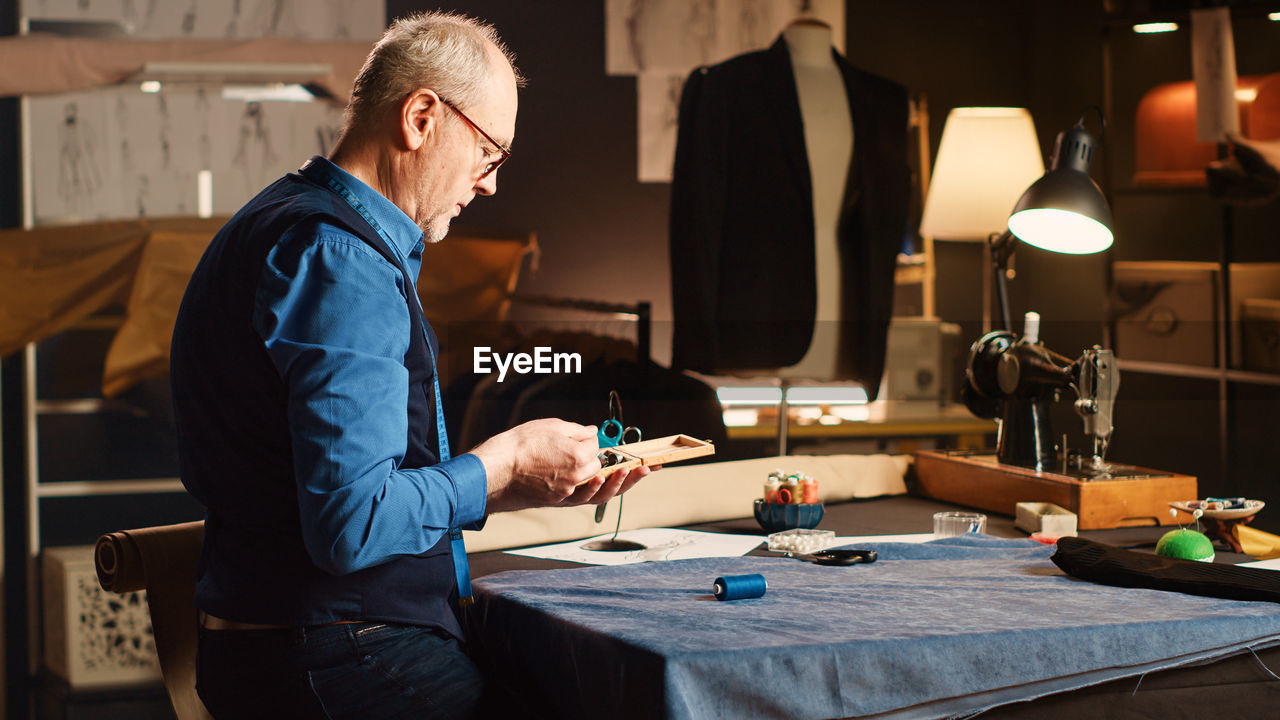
739,587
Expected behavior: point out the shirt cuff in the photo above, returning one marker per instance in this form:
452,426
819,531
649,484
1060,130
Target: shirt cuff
472,484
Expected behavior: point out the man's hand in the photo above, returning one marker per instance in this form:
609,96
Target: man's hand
599,489
548,462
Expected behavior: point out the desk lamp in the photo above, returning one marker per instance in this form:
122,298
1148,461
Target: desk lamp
1015,379
1064,211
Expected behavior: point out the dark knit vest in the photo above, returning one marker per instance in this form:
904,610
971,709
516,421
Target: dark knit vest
255,567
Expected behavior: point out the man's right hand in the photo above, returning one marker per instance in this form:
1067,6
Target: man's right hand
541,462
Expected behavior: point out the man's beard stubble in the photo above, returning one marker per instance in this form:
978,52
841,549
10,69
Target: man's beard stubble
435,229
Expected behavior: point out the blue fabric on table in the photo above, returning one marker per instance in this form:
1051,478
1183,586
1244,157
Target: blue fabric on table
928,630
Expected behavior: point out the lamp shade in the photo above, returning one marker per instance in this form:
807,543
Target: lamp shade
987,158
1065,211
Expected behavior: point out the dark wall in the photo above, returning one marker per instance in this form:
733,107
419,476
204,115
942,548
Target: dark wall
604,234
572,175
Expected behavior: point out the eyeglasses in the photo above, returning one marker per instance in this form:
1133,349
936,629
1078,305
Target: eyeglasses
505,153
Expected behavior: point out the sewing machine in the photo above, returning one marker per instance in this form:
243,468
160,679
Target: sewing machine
1015,380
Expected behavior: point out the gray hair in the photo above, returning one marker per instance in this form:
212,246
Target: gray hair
438,50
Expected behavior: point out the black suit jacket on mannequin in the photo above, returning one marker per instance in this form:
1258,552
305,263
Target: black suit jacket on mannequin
744,285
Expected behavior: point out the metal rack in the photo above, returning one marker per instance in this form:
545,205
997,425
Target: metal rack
640,313
1221,372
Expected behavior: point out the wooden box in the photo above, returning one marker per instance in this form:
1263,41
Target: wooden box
658,451
1167,311
1260,328
979,481
94,638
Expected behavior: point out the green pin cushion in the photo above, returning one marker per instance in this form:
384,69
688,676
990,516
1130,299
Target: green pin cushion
1187,545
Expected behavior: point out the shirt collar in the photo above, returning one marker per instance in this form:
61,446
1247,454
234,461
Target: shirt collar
405,235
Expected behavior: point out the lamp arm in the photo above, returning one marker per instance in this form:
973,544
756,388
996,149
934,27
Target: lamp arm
1002,246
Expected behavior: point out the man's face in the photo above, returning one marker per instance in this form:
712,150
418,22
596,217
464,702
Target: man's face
456,163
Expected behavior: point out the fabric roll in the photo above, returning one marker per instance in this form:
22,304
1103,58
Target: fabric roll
705,493
163,561
1107,565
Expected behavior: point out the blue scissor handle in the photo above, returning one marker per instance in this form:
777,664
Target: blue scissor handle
612,434
608,440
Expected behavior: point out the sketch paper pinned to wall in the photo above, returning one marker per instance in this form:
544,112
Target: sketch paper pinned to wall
1213,67
120,154
659,544
662,41
79,177
116,152
302,19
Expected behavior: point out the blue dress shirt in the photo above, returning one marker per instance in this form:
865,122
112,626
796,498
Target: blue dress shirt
332,314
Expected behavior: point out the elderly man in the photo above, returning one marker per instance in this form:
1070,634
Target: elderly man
308,407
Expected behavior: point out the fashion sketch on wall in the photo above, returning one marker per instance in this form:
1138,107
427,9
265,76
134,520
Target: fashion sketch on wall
117,152
306,19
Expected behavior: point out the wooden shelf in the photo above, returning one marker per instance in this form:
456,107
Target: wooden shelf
1200,372
952,420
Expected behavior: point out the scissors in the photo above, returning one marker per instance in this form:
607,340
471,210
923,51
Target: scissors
837,557
611,434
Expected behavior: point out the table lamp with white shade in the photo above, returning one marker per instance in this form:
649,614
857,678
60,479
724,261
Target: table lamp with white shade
987,158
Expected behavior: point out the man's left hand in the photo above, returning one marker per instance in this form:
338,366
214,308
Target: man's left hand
601,488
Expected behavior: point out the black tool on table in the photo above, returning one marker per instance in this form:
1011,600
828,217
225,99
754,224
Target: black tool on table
837,557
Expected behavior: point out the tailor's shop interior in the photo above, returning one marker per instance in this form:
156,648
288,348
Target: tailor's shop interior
949,330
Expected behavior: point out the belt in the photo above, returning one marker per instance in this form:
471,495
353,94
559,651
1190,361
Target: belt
213,622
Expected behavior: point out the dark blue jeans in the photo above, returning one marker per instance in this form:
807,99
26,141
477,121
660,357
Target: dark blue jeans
336,672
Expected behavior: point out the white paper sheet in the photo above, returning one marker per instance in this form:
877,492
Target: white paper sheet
672,544
660,544
1272,564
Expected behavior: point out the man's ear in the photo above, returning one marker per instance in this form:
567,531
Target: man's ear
419,117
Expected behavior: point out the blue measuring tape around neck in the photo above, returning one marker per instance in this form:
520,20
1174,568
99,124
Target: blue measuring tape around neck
461,570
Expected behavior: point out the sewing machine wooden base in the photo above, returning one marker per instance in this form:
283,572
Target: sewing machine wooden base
980,481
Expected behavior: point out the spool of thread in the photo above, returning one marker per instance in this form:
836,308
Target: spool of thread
809,490
771,489
739,587
784,496
792,485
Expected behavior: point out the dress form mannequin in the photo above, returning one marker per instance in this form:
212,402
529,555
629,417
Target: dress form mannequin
745,267
828,136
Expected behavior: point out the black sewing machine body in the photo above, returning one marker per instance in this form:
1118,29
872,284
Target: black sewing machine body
1015,380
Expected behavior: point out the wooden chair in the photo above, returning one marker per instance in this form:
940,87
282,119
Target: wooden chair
162,561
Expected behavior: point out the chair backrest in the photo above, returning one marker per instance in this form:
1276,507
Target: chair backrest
163,561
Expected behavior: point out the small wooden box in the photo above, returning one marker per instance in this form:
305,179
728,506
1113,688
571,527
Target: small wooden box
1260,330
1045,518
981,482
658,451
94,638
1168,311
